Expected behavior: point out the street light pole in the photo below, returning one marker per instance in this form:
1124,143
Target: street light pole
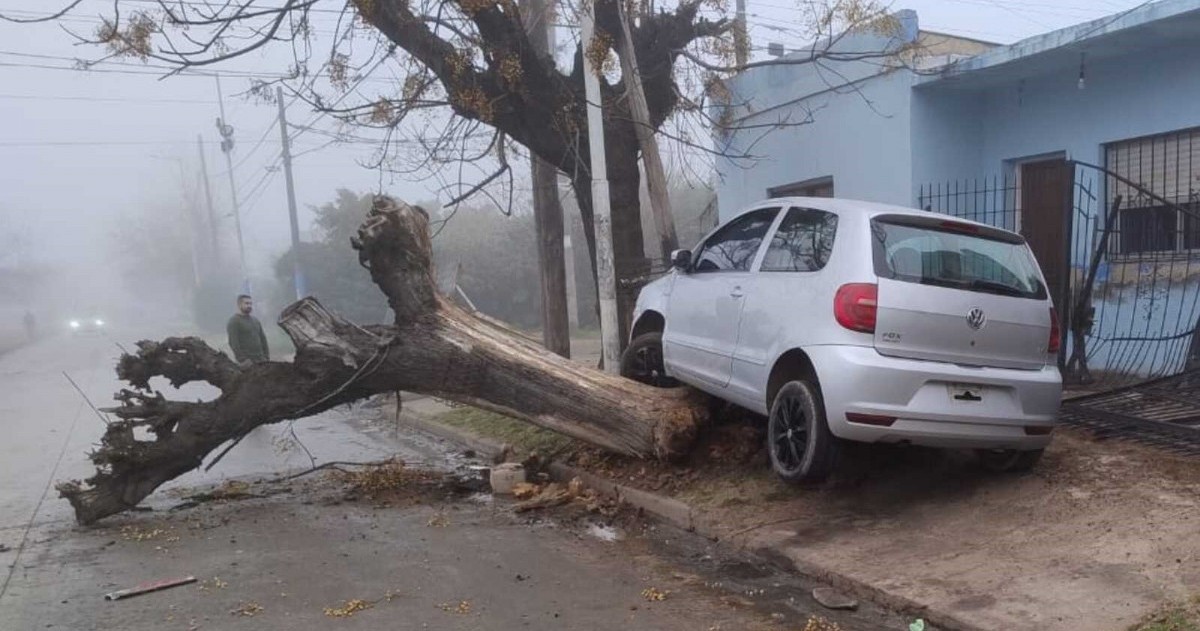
606,282
214,249
297,267
227,148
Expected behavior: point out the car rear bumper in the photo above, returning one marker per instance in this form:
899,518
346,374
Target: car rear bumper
1017,409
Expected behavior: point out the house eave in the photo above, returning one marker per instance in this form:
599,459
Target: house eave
1154,24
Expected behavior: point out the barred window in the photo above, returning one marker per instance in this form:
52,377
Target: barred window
1169,166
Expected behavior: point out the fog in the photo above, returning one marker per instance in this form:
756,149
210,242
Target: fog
92,157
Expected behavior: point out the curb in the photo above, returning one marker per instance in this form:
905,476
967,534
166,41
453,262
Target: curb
683,516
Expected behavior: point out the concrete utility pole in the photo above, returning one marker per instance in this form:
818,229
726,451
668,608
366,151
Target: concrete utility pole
190,215
656,177
297,267
741,36
572,290
547,211
214,249
606,281
227,148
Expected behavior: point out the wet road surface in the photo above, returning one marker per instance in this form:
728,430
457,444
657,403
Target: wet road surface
280,561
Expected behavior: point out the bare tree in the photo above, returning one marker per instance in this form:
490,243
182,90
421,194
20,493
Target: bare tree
464,88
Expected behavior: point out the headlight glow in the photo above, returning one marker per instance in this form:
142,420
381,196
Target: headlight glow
74,324
99,322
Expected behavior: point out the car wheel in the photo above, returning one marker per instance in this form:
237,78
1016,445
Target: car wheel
1008,460
643,361
802,448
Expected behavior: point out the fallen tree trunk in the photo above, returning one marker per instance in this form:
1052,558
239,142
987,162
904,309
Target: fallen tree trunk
433,348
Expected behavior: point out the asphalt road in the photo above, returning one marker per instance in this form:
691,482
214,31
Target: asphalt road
279,562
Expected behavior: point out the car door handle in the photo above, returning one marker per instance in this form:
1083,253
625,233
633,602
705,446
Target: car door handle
736,292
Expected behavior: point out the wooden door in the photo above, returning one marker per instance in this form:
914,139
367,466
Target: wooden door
1045,204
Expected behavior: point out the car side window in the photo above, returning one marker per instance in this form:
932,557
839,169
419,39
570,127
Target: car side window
802,243
732,248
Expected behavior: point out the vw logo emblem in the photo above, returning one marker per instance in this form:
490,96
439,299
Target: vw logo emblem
976,319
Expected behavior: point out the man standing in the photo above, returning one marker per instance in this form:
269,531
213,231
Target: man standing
246,336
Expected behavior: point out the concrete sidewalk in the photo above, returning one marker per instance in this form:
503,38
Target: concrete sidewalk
1097,537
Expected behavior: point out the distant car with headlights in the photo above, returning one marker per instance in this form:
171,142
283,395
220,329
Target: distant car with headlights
91,324
842,320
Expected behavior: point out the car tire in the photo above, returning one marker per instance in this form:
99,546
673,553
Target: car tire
642,361
1008,460
801,447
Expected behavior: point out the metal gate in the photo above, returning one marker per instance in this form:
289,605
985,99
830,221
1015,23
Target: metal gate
1124,266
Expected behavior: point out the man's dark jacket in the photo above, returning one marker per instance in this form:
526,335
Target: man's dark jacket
246,338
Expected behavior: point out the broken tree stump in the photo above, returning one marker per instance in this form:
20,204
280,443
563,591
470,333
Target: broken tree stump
433,347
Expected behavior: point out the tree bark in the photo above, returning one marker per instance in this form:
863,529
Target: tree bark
656,177
433,348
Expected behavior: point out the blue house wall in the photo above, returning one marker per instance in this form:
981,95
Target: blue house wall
853,137
802,121
961,131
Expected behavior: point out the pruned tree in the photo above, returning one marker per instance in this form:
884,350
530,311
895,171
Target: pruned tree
432,347
469,89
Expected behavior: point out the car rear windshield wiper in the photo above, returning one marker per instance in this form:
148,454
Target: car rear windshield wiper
997,288
942,282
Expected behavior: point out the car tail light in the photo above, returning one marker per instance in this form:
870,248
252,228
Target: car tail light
855,306
870,419
1055,333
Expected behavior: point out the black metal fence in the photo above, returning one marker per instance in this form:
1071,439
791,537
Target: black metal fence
991,200
1130,303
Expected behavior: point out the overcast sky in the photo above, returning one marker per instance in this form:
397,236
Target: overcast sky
80,147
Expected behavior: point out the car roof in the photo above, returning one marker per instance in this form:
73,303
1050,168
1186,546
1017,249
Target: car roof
843,206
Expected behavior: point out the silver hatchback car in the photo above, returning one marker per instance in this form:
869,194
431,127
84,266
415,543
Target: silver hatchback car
846,320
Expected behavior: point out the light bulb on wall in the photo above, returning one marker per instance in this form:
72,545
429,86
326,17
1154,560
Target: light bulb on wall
1082,68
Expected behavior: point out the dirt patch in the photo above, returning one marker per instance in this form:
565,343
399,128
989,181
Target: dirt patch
1099,534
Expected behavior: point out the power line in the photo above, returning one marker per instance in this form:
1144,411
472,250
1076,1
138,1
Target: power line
180,72
180,69
105,143
97,99
261,139
98,21
92,143
211,6
259,188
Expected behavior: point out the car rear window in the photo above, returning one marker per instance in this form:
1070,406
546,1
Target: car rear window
933,251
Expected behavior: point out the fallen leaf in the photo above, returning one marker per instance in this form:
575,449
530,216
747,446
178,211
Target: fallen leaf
349,608
653,594
817,623
525,490
462,608
248,609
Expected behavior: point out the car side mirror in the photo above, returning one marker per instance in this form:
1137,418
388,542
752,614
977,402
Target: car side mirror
682,260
